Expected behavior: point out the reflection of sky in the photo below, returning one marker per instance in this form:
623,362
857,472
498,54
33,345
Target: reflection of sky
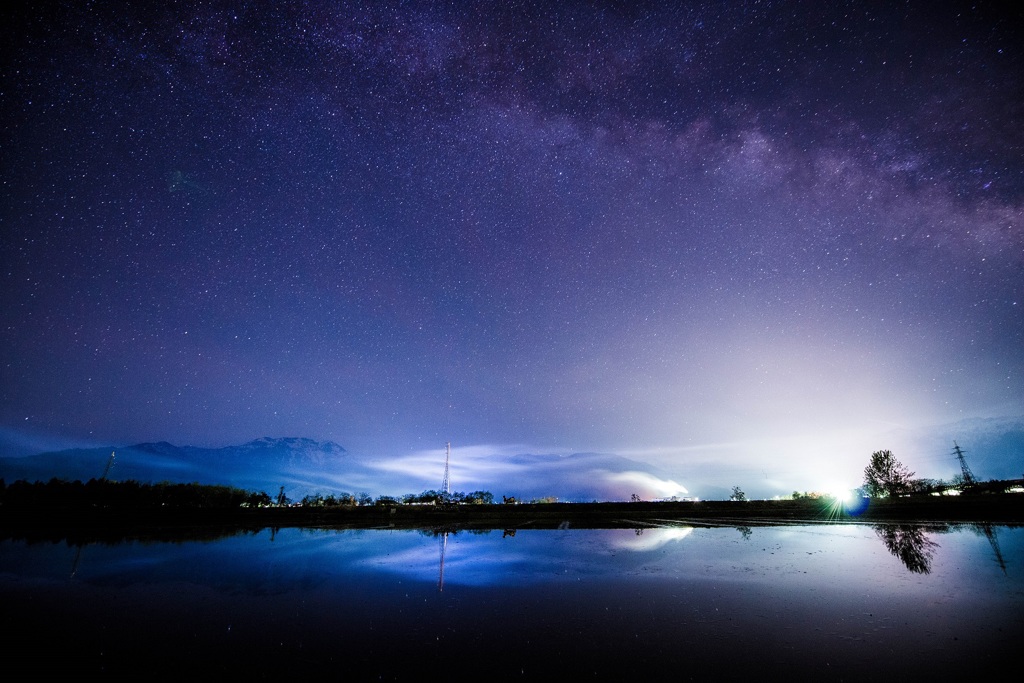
847,556
818,602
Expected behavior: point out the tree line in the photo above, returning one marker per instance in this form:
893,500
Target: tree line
885,477
429,497
104,493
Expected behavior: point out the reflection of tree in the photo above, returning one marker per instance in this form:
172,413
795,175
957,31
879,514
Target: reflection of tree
909,543
745,531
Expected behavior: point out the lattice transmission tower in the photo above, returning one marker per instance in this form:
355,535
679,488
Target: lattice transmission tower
968,476
446,491
110,463
446,485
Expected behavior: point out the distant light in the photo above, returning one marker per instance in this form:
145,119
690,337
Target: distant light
840,494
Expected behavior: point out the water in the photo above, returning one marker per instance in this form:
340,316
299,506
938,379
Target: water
847,601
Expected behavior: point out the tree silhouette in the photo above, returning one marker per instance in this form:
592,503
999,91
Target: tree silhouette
886,476
480,498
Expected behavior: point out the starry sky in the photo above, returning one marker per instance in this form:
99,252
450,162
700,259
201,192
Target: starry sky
742,241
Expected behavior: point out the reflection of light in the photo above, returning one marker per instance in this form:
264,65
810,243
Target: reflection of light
650,539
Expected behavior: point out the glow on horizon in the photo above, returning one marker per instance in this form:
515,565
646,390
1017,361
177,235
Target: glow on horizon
756,286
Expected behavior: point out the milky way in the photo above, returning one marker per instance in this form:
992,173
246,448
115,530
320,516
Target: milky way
755,238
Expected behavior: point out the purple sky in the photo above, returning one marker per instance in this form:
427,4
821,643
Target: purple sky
736,240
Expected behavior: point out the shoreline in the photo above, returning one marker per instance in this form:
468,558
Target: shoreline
113,525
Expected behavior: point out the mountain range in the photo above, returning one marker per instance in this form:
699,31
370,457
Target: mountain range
304,466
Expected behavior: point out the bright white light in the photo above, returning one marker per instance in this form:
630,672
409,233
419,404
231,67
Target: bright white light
841,494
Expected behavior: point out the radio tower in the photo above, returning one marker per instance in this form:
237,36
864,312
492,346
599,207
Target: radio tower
969,479
446,485
110,463
442,542
446,491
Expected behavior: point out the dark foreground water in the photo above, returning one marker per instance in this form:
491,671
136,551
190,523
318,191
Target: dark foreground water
846,602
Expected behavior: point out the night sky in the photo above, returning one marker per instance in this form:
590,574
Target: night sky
746,242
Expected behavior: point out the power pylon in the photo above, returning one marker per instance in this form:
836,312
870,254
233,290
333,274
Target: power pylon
110,463
968,476
446,485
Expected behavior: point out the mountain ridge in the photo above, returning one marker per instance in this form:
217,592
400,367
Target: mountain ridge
304,465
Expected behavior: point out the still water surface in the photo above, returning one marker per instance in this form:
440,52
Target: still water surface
802,601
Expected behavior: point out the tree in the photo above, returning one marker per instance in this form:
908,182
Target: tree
312,500
925,486
886,476
259,499
737,494
480,498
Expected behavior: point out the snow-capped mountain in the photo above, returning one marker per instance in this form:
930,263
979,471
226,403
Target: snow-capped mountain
306,466
259,464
